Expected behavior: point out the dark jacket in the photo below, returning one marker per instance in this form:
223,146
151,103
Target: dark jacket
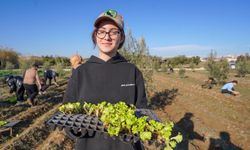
50,74
112,81
14,82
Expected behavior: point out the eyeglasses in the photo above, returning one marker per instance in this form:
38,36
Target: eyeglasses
112,33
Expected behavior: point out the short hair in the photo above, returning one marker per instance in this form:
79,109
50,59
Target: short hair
76,59
35,65
235,81
210,78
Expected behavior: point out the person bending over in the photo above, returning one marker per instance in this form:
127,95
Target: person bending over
50,74
229,88
15,84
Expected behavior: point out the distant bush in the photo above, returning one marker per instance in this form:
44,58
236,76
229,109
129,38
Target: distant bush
241,68
243,65
25,63
59,68
182,72
8,56
218,69
160,99
46,66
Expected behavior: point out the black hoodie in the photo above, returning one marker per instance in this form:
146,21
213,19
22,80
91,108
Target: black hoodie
112,81
15,84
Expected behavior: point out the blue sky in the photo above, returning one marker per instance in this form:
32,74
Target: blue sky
170,27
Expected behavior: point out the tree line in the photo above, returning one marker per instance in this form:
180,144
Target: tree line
10,59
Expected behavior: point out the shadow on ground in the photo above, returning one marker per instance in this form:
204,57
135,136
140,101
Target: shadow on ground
186,127
163,98
222,143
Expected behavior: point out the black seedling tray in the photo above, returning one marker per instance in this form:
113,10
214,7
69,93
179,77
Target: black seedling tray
80,125
147,112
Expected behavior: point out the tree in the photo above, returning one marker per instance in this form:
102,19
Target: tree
25,63
156,62
46,65
217,69
243,65
59,68
182,72
192,65
196,60
10,56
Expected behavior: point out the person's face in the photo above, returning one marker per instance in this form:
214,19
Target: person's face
108,37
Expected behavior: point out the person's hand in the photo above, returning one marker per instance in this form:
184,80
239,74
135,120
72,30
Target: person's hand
236,93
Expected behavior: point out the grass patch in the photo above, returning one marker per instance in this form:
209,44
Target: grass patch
11,99
10,72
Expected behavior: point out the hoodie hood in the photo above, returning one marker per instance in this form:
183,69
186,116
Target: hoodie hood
116,59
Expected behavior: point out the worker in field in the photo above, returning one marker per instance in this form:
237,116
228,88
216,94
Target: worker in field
31,83
209,84
15,84
107,77
49,75
229,88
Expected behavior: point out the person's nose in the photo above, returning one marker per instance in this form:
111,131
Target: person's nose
107,36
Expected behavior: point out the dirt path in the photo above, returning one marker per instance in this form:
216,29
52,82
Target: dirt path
56,140
34,134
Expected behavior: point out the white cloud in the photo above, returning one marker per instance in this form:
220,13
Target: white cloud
187,47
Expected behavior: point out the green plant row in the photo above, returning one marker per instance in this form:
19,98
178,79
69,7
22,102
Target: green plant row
120,118
2,123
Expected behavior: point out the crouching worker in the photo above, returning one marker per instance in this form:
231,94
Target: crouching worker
30,82
15,84
50,74
229,88
209,84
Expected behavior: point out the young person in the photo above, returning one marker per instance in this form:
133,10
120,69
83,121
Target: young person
108,77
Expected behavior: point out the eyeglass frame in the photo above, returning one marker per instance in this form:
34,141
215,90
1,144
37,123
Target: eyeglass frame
110,36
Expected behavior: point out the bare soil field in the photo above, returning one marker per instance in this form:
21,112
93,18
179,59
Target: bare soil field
220,119
205,116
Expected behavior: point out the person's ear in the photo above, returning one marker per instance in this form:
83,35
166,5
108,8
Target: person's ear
122,39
